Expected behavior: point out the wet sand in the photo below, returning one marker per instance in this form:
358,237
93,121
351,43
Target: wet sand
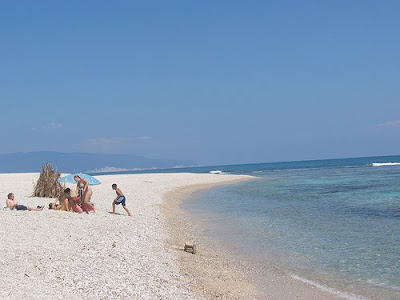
218,271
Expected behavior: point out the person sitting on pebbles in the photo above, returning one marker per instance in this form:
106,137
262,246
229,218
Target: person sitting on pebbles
65,202
13,204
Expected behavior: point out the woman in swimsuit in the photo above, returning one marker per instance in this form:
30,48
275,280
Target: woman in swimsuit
85,192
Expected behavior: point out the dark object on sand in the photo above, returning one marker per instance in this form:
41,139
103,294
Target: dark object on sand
47,184
189,247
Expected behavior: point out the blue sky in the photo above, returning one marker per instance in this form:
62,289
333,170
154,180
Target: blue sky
210,81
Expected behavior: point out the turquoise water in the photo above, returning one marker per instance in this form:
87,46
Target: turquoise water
336,223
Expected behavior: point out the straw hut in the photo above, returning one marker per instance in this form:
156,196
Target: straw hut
48,185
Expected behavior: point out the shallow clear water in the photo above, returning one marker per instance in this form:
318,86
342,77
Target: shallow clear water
338,225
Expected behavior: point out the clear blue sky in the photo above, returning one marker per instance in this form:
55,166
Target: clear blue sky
211,81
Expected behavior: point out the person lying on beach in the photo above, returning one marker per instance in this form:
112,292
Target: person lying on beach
120,199
13,204
54,205
85,192
65,202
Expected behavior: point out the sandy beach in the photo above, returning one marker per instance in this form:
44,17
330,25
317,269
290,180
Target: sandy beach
218,271
60,255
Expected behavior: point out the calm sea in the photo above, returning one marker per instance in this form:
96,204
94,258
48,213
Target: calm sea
335,223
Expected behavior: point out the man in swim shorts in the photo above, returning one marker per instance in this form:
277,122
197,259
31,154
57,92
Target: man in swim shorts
13,204
120,199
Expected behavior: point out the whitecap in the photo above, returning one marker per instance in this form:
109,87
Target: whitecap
386,164
216,172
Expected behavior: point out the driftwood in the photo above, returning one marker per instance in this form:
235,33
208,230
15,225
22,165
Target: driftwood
48,185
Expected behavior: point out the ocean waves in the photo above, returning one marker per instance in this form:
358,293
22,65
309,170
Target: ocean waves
386,164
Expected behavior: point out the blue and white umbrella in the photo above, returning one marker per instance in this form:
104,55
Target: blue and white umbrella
70,178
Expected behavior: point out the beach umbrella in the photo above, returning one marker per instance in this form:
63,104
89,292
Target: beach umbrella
70,178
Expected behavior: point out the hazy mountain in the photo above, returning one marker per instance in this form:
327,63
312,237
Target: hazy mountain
81,162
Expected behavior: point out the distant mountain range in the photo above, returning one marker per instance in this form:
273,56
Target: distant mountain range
82,162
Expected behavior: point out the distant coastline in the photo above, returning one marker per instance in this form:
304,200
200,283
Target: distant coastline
25,162
94,163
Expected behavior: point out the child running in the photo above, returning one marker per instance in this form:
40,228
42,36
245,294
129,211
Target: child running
119,200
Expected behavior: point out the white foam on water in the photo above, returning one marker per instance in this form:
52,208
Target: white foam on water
328,289
386,164
216,172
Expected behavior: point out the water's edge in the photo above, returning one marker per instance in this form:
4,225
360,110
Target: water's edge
244,272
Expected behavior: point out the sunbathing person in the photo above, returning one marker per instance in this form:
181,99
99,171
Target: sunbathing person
65,202
13,204
54,205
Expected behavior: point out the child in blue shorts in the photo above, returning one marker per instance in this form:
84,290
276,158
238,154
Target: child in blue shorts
119,200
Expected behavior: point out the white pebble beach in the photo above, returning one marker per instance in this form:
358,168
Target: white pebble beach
63,255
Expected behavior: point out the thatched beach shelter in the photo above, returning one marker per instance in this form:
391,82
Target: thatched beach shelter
48,184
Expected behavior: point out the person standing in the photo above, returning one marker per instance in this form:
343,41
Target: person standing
85,192
120,199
